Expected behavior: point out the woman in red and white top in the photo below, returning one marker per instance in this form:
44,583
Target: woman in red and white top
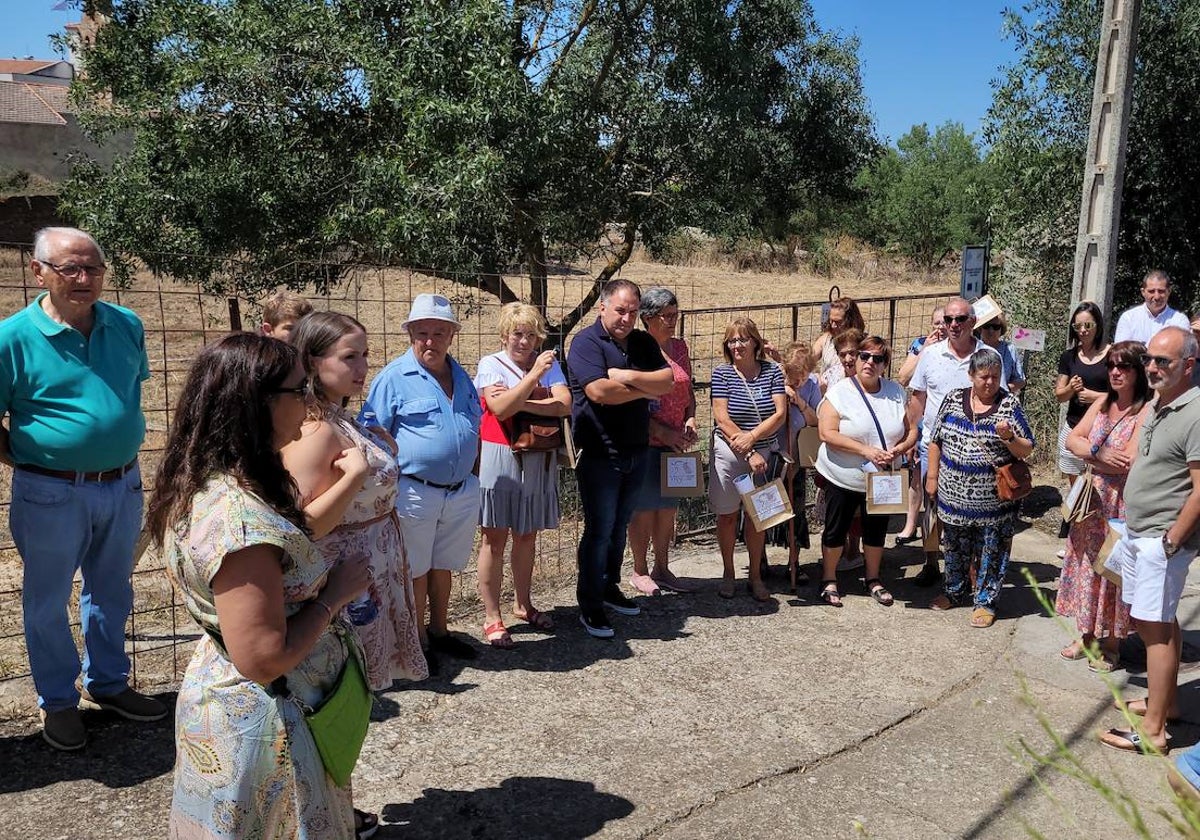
517,494
672,429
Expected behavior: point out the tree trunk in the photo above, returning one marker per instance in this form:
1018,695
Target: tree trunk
559,331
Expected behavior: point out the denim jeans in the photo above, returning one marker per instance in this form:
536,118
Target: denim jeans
61,527
608,493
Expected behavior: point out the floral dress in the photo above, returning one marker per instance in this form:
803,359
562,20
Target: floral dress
1095,602
370,527
246,765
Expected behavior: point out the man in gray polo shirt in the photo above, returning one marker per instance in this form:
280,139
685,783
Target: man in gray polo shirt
1162,507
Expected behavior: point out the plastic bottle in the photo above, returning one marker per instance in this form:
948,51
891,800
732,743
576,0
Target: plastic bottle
362,610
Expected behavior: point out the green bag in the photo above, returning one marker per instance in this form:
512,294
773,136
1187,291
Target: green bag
339,725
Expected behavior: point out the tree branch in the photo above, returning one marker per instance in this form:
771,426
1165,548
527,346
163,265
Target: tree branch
585,17
615,262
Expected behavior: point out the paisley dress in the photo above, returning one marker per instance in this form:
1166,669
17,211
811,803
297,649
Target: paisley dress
1094,602
246,765
369,527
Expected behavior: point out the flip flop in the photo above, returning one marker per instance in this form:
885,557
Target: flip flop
1073,652
981,618
536,618
1125,740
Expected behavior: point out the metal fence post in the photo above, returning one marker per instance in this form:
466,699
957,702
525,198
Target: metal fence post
891,336
795,322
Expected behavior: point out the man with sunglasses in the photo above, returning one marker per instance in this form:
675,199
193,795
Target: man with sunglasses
1162,509
71,373
1142,323
942,368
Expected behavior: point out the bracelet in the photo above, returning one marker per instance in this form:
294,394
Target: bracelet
328,609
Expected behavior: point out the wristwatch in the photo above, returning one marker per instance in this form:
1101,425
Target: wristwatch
1169,548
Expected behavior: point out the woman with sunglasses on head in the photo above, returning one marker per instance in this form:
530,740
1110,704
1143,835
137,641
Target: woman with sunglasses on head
843,315
226,516
672,429
749,406
864,428
1106,440
1082,378
347,478
992,334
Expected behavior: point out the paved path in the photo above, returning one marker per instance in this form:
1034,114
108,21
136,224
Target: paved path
704,718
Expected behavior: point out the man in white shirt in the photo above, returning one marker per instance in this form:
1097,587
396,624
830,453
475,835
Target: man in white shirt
942,368
1141,323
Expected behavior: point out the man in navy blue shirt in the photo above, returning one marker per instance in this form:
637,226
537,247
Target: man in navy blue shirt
614,371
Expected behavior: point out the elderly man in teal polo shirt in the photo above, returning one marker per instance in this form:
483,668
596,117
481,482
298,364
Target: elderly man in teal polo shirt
71,372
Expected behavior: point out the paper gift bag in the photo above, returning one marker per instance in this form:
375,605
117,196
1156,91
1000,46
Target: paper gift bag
887,492
808,442
768,505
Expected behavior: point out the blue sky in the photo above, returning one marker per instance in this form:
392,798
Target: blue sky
923,60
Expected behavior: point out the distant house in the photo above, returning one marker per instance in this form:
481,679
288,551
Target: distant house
35,71
38,130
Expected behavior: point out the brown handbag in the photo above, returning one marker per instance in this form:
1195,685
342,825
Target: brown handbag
528,432
1014,481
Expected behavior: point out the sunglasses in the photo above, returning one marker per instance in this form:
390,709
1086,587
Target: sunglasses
1161,362
301,390
877,358
1084,326
955,319
992,327
1119,365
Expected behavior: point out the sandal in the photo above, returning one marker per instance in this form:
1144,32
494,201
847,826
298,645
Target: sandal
1137,707
536,618
982,617
725,590
830,594
365,824
942,603
1106,664
496,635
1128,741
875,590
1073,651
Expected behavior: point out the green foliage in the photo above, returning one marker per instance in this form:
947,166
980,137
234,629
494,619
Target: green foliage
929,196
1037,128
466,136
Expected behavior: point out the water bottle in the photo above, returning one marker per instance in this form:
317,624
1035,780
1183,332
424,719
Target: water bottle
362,610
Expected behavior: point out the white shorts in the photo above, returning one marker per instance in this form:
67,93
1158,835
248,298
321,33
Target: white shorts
723,467
438,525
1151,584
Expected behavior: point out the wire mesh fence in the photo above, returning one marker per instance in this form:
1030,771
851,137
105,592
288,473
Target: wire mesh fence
181,318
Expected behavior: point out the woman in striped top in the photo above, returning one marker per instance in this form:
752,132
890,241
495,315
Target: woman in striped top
749,406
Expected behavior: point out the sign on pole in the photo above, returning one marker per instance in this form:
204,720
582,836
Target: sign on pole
974,271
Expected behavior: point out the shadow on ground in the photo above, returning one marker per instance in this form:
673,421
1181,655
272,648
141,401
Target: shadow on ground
119,754
519,808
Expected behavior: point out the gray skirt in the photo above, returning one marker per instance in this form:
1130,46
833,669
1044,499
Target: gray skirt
517,492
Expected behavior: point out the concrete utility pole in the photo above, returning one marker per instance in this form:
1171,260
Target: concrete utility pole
1104,169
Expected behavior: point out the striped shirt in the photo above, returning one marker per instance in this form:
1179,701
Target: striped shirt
746,413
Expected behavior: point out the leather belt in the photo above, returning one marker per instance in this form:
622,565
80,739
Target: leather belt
73,475
449,488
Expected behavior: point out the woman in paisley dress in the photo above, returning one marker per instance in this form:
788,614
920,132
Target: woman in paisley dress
347,478
226,517
978,430
1106,439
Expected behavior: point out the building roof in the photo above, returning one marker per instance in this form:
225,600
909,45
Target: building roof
24,65
21,102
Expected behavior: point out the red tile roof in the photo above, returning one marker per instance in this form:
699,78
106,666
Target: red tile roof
26,103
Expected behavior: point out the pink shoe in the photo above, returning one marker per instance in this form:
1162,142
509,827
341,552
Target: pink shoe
644,584
667,580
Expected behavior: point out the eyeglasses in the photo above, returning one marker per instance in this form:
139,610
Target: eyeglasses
668,316
301,390
73,270
739,342
848,354
955,319
877,358
1160,362
1119,365
999,327
1084,326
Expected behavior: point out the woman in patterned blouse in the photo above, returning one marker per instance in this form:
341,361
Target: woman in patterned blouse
978,429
